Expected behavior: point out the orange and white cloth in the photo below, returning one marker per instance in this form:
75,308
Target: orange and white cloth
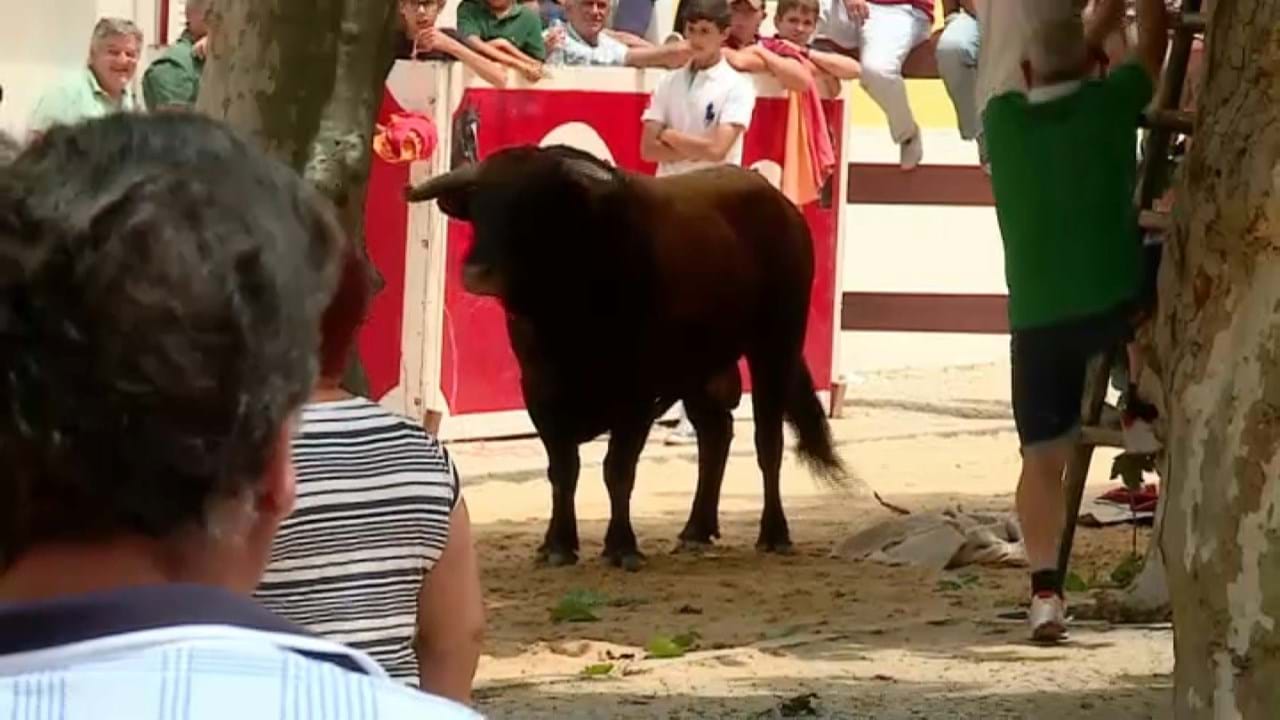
808,157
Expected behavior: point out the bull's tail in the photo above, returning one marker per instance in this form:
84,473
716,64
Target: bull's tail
807,418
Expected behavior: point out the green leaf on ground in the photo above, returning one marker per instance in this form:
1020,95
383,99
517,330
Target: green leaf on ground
1127,570
1075,583
578,606
597,670
663,646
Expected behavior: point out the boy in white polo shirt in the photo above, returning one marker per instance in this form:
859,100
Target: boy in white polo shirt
699,113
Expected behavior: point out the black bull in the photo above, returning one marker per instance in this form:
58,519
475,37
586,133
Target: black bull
626,293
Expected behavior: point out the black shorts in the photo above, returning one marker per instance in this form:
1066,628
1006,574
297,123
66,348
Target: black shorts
1049,366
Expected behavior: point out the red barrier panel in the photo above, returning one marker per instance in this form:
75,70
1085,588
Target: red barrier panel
477,371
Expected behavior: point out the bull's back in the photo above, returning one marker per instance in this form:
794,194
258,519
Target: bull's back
733,218
734,259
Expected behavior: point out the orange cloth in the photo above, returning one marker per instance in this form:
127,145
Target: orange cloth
799,181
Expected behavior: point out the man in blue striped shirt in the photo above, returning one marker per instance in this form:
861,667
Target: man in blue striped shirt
160,291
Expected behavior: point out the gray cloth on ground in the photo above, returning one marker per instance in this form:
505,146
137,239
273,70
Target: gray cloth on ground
939,541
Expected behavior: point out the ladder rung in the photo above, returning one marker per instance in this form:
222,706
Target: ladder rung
1192,22
1175,120
1154,220
1102,437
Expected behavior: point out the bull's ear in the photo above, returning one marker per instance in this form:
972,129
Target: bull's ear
451,190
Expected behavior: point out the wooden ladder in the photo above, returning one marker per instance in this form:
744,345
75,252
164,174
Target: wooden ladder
1163,122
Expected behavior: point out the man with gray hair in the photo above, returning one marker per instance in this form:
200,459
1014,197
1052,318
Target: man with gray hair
1064,169
100,88
173,79
586,42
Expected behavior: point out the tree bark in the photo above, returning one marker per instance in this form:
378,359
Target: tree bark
1218,342
305,77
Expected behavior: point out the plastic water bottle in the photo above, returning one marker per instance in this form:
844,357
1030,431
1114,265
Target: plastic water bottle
556,57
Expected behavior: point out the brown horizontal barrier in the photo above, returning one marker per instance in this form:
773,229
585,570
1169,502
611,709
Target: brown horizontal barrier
926,185
924,312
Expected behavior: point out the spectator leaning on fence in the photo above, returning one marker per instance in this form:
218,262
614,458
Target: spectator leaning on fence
796,22
586,41
506,32
957,55
420,39
697,115
102,86
172,81
743,51
159,313
886,31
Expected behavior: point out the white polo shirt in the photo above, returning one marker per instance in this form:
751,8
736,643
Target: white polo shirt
694,102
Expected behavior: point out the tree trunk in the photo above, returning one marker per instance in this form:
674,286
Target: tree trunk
1218,341
305,77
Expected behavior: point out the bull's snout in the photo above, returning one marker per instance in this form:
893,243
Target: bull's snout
481,280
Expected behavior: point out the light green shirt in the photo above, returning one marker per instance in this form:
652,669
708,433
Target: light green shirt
77,97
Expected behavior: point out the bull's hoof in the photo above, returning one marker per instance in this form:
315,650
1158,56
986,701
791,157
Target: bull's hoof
557,558
777,547
692,546
629,560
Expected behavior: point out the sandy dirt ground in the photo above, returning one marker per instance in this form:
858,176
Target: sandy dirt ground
807,634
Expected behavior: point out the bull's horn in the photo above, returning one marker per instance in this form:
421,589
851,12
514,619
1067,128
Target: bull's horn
434,187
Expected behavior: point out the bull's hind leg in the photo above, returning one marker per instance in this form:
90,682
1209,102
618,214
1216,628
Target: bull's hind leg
625,444
710,411
770,380
561,544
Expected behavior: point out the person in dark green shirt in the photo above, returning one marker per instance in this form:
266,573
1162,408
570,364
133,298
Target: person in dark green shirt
1064,165
173,79
504,31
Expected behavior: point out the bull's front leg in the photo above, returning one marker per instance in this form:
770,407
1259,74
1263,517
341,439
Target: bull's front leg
560,547
625,444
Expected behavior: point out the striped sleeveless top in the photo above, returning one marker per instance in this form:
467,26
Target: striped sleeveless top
375,493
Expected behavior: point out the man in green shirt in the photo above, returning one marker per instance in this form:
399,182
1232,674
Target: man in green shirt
99,88
1063,160
173,79
504,31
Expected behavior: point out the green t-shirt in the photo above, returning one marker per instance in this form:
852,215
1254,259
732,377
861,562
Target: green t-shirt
1063,172
520,26
173,79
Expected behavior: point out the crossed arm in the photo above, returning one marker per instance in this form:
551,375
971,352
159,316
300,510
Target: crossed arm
662,144
671,55
503,52
791,73
493,73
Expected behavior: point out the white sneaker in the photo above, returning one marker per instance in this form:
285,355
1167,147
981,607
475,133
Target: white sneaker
912,151
1047,617
683,434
